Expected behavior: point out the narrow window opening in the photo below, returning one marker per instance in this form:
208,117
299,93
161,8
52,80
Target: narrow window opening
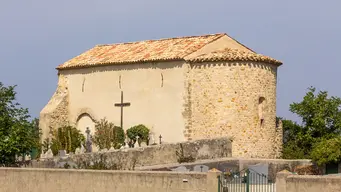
83,85
119,82
161,80
261,106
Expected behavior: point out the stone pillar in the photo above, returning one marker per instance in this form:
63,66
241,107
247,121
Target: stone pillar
281,180
212,180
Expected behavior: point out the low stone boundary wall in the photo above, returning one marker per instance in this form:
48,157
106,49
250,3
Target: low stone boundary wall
236,164
288,182
56,180
128,159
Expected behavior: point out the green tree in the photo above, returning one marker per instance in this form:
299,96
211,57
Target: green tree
327,151
139,130
292,145
36,135
17,133
321,124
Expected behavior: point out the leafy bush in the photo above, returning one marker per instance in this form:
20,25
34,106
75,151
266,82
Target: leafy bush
108,135
118,139
327,151
139,130
182,158
66,138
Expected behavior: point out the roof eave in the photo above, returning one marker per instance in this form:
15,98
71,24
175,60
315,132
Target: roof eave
275,62
82,66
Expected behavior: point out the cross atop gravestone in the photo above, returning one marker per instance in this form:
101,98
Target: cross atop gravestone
88,141
160,137
122,104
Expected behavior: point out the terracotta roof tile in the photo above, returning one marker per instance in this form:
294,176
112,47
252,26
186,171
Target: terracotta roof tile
142,51
229,54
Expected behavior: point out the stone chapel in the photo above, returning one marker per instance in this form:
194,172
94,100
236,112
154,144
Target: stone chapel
184,88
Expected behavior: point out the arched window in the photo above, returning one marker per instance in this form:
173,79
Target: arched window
261,107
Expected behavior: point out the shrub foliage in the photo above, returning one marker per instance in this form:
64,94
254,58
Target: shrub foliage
139,130
108,135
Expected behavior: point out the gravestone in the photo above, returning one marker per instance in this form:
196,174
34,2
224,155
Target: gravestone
181,169
27,157
42,155
259,173
143,144
125,145
82,149
62,154
136,144
77,151
200,168
49,154
152,139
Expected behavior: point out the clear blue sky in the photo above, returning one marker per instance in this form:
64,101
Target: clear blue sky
38,35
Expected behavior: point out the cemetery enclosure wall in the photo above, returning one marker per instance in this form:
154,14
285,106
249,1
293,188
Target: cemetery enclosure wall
238,164
55,180
128,159
288,182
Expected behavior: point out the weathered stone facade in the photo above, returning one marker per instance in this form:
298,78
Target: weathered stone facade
225,100
190,91
56,112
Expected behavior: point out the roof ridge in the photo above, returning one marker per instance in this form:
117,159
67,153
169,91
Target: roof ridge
216,38
163,39
241,43
232,54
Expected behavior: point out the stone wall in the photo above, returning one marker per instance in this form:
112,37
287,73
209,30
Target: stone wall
278,144
288,182
128,159
56,113
237,164
236,99
42,180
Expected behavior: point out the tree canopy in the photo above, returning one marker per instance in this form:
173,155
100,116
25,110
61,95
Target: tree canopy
321,126
18,135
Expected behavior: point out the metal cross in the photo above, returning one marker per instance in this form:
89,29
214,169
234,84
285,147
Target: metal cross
122,104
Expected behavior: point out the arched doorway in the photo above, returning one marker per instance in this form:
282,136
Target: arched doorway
84,121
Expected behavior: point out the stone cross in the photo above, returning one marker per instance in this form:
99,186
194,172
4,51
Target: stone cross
88,140
121,105
153,139
160,137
